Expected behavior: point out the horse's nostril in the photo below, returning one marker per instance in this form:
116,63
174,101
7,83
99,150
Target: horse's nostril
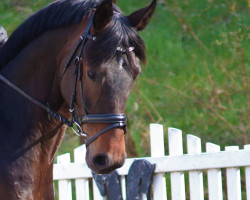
103,163
100,160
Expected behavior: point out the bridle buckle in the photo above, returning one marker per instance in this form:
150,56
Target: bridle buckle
77,129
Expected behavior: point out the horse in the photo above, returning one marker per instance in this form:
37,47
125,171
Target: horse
73,63
3,36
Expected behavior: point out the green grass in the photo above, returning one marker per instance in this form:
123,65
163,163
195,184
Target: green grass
197,76
197,73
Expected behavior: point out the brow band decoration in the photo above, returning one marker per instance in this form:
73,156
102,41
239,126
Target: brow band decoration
124,50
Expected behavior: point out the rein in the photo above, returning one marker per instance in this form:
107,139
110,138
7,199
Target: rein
115,120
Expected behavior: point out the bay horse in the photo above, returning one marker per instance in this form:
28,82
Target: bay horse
72,63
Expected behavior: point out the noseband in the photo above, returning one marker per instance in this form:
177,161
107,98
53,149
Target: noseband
114,120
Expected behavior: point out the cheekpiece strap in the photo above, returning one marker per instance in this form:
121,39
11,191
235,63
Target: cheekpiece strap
80,43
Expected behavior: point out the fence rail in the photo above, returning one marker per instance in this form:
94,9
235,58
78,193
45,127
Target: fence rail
195,162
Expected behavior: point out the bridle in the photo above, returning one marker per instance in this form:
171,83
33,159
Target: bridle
115,120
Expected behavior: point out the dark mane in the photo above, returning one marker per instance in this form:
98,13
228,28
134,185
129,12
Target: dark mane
58,14
123,35
68,12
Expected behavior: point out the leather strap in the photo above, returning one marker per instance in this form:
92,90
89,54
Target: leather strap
36,102
116,125
109,118
81,42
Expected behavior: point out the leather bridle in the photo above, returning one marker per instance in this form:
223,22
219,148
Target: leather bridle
115,120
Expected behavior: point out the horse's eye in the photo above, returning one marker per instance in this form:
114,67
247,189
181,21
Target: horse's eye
91,75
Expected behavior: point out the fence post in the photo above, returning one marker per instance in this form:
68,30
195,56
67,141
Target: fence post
195,177
64,186
233,179
82,185
123,186
247,172
157,150
214,176
177,178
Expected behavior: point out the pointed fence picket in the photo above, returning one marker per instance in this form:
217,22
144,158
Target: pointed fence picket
64,185
214,176
158,150
195,162
195,177
233,179
82,185
247,176
176,149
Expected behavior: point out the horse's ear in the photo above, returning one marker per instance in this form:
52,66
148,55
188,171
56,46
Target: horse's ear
103,16
140,19
115,1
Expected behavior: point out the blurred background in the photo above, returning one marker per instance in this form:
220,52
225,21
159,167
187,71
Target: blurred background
197,75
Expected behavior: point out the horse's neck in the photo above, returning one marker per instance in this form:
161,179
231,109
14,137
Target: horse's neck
34,71
28,139
25,126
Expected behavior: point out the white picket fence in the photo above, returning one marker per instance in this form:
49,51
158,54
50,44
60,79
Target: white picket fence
195,163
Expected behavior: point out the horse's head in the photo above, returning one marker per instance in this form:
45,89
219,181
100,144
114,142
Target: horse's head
109,66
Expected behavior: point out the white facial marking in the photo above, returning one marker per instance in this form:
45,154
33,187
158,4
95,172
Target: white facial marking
121,62
131,48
